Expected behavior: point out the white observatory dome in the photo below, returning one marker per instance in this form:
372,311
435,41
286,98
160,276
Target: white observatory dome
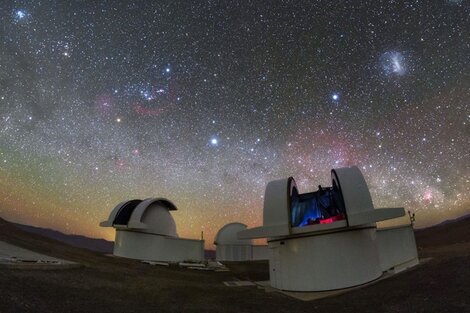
145,230
151,215
158,218
227,235
328,239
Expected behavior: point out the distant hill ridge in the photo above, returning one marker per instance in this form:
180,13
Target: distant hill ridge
94,244
98,245
448,232
461,218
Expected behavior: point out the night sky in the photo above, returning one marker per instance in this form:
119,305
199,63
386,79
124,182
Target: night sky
206,102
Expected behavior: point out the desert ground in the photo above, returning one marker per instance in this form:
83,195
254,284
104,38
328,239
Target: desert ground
108,284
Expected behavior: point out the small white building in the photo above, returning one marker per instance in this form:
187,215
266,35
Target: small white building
146,230
230,248
328,239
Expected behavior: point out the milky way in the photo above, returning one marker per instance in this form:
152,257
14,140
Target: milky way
205,103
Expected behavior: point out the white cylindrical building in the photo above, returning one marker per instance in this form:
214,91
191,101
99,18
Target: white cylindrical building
327,239
229,247
146,230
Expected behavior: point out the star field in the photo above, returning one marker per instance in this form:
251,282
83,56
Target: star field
206,102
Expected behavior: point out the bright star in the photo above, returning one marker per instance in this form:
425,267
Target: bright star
146,95
335,96
214,141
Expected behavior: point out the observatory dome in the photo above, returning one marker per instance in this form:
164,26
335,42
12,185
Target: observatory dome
158,218
227,235
146,230
328,239
151,215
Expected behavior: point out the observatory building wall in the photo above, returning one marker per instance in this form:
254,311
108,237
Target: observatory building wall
233,252
152,247
260,252
328,262
397,248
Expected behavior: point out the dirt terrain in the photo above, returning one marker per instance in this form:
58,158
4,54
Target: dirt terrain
108,284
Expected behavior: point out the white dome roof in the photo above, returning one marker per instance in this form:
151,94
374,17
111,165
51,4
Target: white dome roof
158,219
150,215
227,235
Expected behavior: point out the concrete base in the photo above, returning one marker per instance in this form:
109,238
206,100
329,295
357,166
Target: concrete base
404,266
15,257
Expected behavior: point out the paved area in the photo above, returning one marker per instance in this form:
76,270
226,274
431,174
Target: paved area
11,254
